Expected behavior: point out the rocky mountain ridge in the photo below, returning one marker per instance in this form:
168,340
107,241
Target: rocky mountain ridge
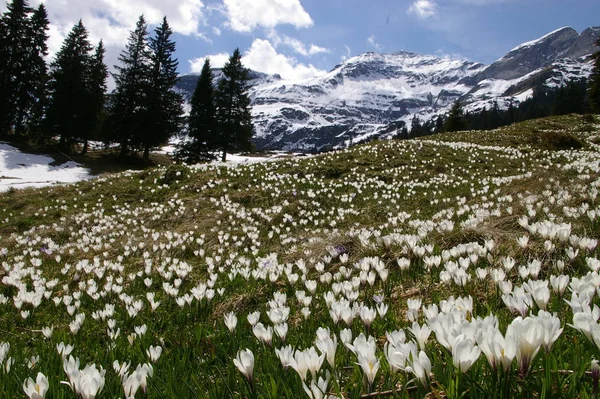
375,94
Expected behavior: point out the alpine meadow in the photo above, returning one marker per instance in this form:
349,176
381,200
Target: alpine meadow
402,226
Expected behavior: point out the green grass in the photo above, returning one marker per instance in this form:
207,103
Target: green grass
189,226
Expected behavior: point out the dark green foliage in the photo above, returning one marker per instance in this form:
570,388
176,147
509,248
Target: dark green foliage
571,99
127,105
456,120
594,88
203,128
69,110
418,129
233,107
544,102
15,42
144,110
37,74
98,73
163,106
415,126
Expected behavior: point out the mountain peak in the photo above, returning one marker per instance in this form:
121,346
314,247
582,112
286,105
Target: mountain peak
375,94
533,55
564,31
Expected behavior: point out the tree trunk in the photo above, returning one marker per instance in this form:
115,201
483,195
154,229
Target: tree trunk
85,147
224,156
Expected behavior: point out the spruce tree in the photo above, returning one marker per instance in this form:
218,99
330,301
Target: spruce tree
233,107
203,128
33,76
163,105
415,126
68,110
456,119
14,34
38,71
128,102
594,85
96,97
439,124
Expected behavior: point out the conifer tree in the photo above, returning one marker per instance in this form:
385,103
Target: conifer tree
203,128
38,70
594,85
233,107
163,105
128,102
439,124
68,110
415,126
29,87
14,30
96,97
456,119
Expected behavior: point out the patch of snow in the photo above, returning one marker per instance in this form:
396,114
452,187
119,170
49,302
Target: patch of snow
20,170
527,94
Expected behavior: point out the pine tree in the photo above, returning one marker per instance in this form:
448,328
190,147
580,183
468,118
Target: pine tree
34,75
14,30
594,85
96,96
38,72
233,107
127,110
203,128
415,126
456,119
439,124
163,105
68,111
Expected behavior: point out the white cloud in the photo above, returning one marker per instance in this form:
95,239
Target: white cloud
263,57
216,61
423,8
450,56
295,44
112,20
348,52
216,31
245,15
373,43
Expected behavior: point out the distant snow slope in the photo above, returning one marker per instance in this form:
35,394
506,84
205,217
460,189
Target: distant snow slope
19,170
374,95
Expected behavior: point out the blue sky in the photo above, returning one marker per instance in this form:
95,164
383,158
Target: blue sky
302,38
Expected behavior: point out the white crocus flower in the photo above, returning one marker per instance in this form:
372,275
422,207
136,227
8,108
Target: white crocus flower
285,355
37,389
420,366
230,321
253,318
464,353
154,353
244,361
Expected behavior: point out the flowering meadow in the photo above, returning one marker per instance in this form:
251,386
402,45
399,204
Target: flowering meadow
456,265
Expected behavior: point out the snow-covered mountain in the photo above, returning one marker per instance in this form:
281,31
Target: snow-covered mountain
375,94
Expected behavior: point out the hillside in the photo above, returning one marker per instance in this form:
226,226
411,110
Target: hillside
442,251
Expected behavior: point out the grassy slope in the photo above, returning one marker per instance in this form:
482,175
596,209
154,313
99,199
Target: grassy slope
194,222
